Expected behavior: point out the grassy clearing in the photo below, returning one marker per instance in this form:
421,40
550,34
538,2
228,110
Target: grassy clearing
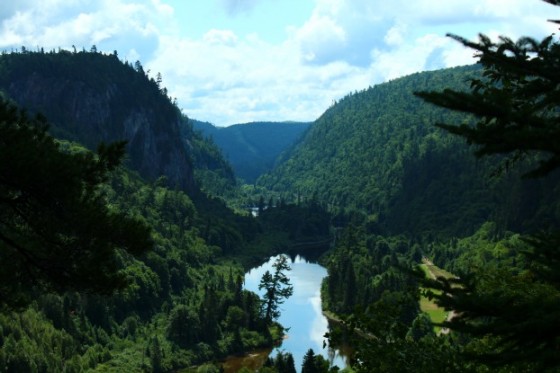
438,272
436,313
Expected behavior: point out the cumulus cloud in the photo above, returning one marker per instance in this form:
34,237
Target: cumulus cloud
340,30
321,39
320,324
131,28
242,78
229,76
427,52
396,35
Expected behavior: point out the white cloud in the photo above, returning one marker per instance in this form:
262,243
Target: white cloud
319,324
408,58
220,37
230,76
115,24
321,39
250,79
396,35
162,8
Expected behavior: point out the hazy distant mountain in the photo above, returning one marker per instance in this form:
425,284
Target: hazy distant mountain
252,148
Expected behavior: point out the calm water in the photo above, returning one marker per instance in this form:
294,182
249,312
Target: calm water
301,313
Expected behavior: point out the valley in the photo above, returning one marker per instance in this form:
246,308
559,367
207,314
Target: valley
301,313
134,238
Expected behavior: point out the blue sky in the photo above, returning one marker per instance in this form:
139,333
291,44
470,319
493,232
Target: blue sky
235,61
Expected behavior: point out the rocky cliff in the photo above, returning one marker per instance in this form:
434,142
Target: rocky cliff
93,98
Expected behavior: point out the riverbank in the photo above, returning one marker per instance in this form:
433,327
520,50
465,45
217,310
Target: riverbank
301,313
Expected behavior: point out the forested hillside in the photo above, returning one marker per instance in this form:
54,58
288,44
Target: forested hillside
500,302
252,148
128,259
91,97
379,153
214,174
114,266
59,316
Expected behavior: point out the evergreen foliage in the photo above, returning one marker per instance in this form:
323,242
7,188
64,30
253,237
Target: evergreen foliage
213,173
515,100
252,148
376,152
513,311
56,233
282,363
94,98
396,189
277,288
315,363
175,305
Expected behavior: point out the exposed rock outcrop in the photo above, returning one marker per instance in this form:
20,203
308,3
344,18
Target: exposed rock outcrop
93,98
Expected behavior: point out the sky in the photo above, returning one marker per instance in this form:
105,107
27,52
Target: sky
237,61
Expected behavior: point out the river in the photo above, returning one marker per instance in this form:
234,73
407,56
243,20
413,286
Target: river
301,313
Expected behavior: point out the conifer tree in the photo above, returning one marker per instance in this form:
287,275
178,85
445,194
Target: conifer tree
516,103
56,232
277,288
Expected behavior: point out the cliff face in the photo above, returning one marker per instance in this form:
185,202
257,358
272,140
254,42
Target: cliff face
93,98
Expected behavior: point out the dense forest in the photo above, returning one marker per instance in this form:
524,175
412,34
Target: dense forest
95,98
431,200
252,148
174,255
214,174
378,153
500,291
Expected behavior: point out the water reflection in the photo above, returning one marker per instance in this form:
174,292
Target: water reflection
253,361
301,313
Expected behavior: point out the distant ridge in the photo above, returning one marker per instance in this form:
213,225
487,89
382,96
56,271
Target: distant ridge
252,148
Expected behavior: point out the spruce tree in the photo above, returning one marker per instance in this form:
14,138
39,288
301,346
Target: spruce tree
308,365
277,288
516,313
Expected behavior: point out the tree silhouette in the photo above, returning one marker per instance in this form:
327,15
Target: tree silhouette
277,288
516,103
56,232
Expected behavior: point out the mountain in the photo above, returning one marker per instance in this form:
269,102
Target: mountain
91,98
188,282
252,148
212,172
401,189
378,152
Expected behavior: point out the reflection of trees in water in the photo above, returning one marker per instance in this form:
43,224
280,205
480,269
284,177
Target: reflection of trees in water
302,313
253,360
339,347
